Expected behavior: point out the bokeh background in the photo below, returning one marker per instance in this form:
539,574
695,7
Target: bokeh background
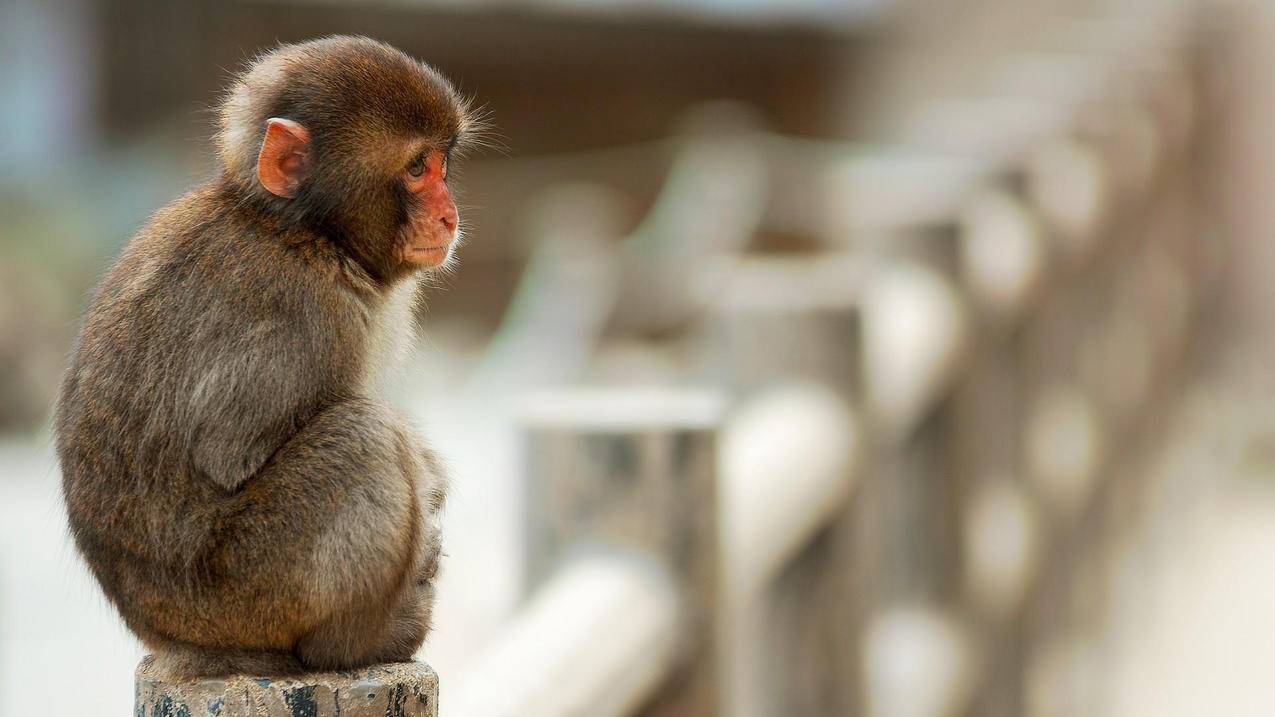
970,299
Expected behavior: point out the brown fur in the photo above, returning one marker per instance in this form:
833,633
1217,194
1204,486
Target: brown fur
243,498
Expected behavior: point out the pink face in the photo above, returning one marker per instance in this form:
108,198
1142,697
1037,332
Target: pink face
426,239
431,229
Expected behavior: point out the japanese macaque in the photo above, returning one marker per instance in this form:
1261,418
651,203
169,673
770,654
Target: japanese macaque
231,477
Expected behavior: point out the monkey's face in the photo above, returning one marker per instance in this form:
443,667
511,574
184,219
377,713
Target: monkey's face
427,236
352,138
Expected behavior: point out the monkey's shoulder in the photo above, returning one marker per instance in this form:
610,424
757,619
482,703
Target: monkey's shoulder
196,293
202,252
207,344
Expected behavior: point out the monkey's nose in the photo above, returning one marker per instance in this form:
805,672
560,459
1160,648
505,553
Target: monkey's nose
441,208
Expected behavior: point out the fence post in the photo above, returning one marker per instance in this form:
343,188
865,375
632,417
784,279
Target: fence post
637,470
1004,265
406,689
784,335
907,515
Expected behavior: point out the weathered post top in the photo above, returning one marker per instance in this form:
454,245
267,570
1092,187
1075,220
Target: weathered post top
404,689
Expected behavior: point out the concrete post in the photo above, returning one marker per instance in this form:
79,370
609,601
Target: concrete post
406,689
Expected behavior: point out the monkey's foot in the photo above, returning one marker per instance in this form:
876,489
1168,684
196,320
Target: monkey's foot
401,689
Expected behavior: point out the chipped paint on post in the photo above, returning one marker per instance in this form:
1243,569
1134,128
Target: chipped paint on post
408,689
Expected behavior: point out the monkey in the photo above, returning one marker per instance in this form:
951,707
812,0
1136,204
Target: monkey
232,472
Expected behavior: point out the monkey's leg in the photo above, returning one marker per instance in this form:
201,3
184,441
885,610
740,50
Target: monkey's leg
323,545
411,617
177,661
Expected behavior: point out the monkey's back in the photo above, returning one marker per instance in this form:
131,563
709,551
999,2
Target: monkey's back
207,345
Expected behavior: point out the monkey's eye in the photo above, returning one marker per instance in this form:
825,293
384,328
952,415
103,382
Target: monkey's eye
417,167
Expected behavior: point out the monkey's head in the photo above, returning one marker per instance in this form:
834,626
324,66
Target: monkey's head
351,138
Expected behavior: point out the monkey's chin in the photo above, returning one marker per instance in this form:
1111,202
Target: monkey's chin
427,257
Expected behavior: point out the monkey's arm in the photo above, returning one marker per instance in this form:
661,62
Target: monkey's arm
262,362
240,411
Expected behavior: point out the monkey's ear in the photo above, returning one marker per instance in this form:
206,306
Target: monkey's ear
284,158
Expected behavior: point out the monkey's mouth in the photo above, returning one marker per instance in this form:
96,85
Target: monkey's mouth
429,249
428,254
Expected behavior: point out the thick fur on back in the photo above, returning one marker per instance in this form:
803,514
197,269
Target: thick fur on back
228,476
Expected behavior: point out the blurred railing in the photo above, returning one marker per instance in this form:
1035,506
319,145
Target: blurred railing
894,495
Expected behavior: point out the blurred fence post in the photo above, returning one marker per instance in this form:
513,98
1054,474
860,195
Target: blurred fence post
408,689
1102,351
908,513
785,336
1004,266
892,212
637,470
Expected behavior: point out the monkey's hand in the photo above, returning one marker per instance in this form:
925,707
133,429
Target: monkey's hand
432,494
431,550
413,616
